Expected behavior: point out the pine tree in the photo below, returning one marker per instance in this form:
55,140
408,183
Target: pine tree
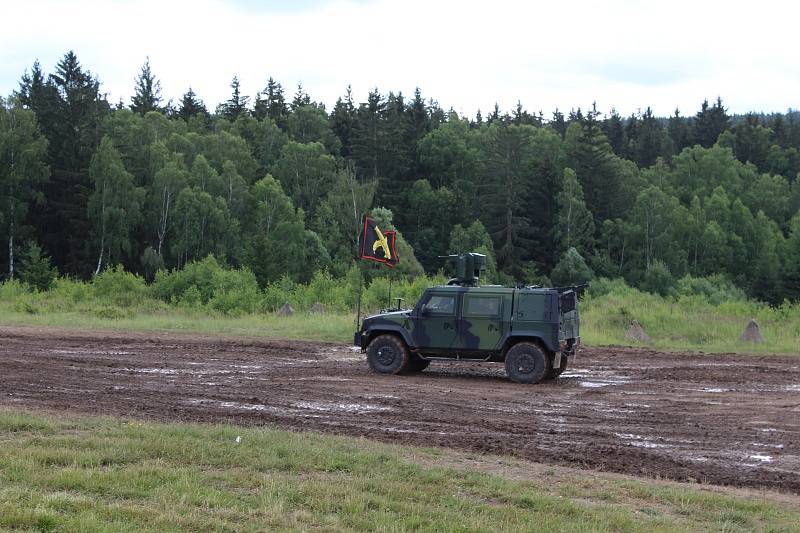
237,104
191,106
301,97
615,132
147,92
709,123
368,136
342,120
270,103
678,129
70,111
36,268
649,140
558,123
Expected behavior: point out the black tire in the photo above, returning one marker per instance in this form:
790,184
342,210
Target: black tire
526,362
387,354
555,372
417,363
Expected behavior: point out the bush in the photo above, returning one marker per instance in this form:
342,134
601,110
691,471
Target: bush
571,270
604,286
658,279
171,285
235,292
119,287
278,293
715,289
36,269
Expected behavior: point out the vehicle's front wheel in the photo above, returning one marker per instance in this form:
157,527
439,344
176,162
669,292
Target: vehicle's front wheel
387,354
526,362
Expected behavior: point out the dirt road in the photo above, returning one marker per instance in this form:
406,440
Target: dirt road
723,419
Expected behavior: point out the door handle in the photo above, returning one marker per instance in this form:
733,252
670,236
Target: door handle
446,325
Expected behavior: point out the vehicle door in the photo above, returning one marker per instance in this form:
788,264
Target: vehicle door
483,316
436,326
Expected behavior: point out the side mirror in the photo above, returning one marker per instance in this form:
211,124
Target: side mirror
424,309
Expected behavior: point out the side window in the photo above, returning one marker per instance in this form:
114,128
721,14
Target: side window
441,305
482,306
531,306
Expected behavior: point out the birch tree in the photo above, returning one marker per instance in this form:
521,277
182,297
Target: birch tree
114,205
22,172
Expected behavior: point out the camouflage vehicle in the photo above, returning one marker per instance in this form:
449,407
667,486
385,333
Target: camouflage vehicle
534,330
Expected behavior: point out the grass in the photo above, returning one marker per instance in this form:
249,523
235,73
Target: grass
689,322
337,327
686,322
62,473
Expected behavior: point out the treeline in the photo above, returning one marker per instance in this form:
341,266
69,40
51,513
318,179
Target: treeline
277,184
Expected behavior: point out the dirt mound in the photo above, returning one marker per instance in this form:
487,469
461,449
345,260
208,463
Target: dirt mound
318,309
286,310
752,333
722,419
636,333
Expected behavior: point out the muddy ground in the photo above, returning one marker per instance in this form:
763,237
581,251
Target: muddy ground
722,419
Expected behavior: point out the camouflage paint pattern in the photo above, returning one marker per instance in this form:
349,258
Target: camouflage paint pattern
478,322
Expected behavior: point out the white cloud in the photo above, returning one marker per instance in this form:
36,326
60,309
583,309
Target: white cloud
467,55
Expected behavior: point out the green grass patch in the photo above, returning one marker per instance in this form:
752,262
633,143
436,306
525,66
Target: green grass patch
705,315
688,322
98,474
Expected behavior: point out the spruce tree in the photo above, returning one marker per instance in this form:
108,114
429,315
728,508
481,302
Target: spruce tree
191,106
147,91
236,105
342,121
709,123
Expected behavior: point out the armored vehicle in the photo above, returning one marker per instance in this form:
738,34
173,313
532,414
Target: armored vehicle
534,330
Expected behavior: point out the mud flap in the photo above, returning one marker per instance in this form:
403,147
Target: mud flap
557,360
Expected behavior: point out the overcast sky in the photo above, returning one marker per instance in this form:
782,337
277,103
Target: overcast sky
467,55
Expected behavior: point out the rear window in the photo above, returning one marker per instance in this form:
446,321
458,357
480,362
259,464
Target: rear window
482,306
531,306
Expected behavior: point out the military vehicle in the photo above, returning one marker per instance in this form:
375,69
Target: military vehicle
534,330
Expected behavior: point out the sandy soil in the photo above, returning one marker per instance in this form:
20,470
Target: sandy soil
722,419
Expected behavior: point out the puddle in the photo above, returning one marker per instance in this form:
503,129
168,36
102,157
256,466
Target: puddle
640,441
165,371
321,378
793,388
776,446
715,389
761,457
346,407
247,367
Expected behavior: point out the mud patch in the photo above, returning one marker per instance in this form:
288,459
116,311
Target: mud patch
630,410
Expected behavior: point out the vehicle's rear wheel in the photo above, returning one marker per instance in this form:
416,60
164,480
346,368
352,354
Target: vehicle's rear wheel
555,372
526,362
387,354
417,363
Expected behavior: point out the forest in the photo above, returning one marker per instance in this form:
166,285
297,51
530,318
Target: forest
275,183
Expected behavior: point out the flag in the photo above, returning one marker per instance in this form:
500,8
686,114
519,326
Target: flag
378,245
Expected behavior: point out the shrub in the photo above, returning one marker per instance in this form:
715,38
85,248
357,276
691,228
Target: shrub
11,290
658,279
235,292
278,293
36,269
715,289
170,285
119,287
571,269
